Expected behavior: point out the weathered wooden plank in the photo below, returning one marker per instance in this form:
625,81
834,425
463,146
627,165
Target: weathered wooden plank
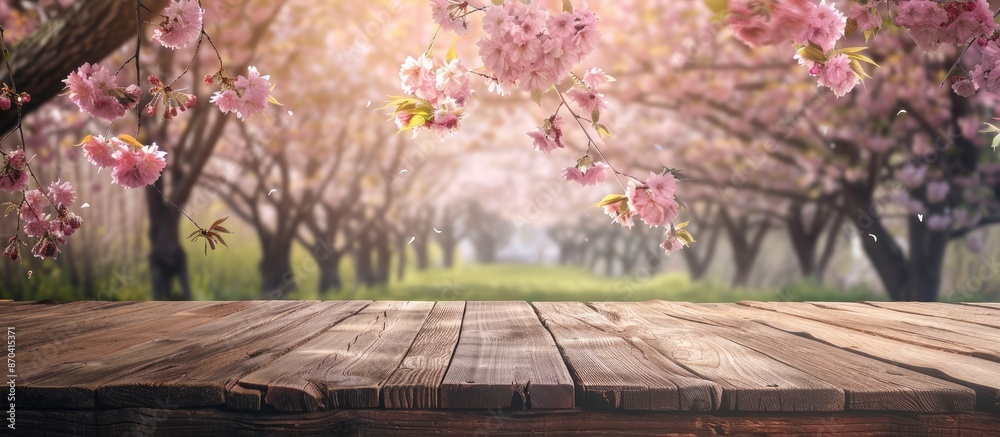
406,423
941,335
56,332
869,384
75,383
15,315
203,376
344,367
242,398
985,336
614,370
417,381
977,374
966,313
750,380
988,305
137,327
505,359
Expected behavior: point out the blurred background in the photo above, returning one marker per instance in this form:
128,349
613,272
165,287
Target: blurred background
792,193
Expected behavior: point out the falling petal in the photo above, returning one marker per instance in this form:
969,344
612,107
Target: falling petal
369,104
412,239
272,191
290,113
403,171
825,129
920,217
437,231
658,146
873,237
901,111
85,205
29,273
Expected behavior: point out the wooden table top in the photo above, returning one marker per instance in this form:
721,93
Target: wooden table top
275,357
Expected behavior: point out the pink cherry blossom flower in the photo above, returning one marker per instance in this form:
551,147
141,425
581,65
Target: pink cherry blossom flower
13,176
964,87
46,247
826,25
597,173
247,95
61,193
138,168
100,152
838,75
181,26
34,203
648,208
866,16
588,101
595,77
968,20
663,187
95,91
451,14
757,23
620,213
937,191
416,72
672,244
924,19
543,142
38,228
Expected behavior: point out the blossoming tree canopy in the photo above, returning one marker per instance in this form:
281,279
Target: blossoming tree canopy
44,214
525,47
814,31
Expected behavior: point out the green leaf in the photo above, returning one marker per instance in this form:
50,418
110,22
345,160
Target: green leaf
685,236
602,130
610,199
852,26
536,96
996,142
567,6
595,116
991,129
452,54
858,69
717,6
273,101
682,225
813,53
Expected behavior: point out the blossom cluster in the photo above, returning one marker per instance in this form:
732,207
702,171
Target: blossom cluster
436,94
50,230
243,95
14,172
8,95
932,23
181,25
132,164
654,201
95,91
529,48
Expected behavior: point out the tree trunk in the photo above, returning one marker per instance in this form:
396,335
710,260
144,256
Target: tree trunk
329,274
383,255
45,57
421,250
363,259
167,260
277,278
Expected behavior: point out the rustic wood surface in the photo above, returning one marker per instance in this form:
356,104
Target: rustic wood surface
506,367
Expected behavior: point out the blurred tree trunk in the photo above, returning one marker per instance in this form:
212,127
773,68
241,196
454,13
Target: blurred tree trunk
806,237
364,274
276,275
383,252
167,260
329,274
746,239
88,31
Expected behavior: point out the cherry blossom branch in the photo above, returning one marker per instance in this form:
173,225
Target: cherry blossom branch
590,140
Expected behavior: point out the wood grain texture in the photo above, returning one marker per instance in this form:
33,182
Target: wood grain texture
90,337
939,334
64,327
977,374
496,423
202,376
869,384
417,381
36,311
506,359
613,370
75,383
987,305
750,380
966,313
344,367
